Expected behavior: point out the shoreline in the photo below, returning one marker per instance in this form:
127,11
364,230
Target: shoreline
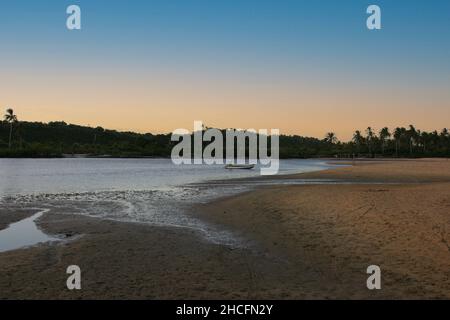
8,217
304,242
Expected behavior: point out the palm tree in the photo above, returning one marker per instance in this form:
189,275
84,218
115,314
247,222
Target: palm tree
370,136
384,135
412,136
425,138
444,138
358,139
434,138
397,136
330,137
444,134
10,118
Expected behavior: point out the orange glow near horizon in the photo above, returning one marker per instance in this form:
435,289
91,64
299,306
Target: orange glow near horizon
156,66
143,104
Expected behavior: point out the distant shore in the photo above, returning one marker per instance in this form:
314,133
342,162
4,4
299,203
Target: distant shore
107,156
302,241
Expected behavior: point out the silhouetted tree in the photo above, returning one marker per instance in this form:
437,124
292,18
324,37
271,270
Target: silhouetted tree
369,137
412,135
384,136
11,118
330,137
398,138
358,140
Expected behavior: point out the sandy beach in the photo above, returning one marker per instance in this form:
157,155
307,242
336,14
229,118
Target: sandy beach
301,242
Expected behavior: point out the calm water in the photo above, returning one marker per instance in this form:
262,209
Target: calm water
37,176
151,191
23,233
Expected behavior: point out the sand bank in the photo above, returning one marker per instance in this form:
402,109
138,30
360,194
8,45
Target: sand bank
301,241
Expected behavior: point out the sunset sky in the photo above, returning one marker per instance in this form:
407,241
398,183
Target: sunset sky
305,67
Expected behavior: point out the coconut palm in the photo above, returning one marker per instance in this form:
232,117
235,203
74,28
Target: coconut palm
424,139
369,136
330,137
10,118
444,134
412,137
398,133
358,139
384,135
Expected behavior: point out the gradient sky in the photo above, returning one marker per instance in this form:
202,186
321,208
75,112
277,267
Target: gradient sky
305,67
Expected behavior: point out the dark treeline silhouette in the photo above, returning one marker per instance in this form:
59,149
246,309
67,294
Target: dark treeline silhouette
57,139
401,142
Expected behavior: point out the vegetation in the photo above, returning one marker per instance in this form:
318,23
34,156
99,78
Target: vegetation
10,118
57,139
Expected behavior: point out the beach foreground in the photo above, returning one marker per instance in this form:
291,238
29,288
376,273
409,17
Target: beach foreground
301,241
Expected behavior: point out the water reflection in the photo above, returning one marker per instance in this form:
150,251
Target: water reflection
23,234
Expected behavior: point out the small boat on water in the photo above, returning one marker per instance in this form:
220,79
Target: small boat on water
240,166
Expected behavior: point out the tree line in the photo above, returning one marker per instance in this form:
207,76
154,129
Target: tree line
401,142
57,139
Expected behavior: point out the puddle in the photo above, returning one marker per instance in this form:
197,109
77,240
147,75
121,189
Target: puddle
24,233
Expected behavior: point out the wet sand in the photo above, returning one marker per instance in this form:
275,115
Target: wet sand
302,242
402,225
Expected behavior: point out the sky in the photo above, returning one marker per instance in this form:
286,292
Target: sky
304,67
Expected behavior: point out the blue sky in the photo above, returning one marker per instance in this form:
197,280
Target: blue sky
325,43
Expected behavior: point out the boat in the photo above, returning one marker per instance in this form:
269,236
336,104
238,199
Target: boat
240,166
